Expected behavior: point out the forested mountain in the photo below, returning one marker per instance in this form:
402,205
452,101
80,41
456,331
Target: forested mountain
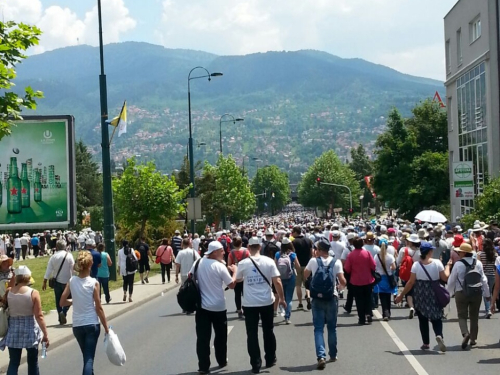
295,104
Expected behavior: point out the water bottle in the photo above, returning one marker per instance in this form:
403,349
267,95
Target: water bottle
44,350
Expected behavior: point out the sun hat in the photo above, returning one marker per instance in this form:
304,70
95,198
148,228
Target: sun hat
269,232
370,236
254,241
177,231
285,241
414,238
213,246
22,271
422,233
478,228
336,233
465,248
351,236
5,258
458,228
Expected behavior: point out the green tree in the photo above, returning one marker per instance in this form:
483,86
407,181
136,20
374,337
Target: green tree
88,180
14,40
275,183
143,195
329,169
362,166
429,123
487,205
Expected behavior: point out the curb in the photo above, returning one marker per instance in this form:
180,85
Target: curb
63,340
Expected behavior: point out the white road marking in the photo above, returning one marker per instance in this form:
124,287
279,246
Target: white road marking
229,329
402,347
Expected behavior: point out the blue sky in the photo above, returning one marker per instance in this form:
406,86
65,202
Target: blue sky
406,35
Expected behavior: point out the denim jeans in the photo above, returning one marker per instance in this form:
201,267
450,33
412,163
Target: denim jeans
491,284
104,285
18,253
58,291
288,288
325,312
15,361
87,337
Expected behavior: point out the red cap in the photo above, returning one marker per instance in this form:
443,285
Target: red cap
458,240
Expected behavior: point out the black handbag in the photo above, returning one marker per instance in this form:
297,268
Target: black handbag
52,280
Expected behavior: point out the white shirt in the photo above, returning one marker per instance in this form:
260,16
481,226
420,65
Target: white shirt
212,275
196,243
336,249
391,250
55,262
373,249
337,268
433,268
17,243
25,241
257,291
415,255
345,253
186,258
82,294
2,247
389,261
457,276
122,262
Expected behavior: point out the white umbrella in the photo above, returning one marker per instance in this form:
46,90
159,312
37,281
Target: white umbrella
431,216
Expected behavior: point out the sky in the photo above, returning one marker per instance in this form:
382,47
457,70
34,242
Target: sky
406,35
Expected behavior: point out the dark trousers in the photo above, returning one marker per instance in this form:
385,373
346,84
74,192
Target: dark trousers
252,316
423,323
205,320
36,250
363,297
58,291
350,298
24,249
73,246
165,268
385,301
87,337
238,292
104,285
15,361
128,283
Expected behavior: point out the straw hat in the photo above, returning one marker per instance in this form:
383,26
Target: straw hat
465,248
5,258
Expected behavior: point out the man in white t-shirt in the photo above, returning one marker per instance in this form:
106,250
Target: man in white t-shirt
325,311
17,246
196,242
370,244
212,275
257,273
336,246
184,261
3,248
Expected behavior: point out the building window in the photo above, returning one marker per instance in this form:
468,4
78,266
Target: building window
459,47
448,61
475,30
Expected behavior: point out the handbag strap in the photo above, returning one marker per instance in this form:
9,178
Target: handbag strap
427,273
383,265
258,269
60,267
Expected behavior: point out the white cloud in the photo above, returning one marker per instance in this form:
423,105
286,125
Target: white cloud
62,27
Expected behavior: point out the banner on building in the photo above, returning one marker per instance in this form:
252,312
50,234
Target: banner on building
37,174
463,180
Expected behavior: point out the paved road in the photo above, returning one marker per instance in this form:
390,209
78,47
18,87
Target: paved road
160,340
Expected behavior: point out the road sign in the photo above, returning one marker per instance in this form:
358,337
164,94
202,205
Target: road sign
463,180
194,209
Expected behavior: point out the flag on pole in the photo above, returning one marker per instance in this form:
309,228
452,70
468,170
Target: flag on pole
121,121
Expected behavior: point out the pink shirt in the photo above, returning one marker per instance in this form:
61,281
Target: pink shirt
165,254
360,264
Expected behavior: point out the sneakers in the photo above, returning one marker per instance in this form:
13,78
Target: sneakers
203,372
241,316
146,280
272,363
308,300
142,281
275,314
287,321
369,318
488,315
412,313
321,364
472,343
300,307
425,347
333,359
125,297
465,341
62,318
441,344
386,319
345,310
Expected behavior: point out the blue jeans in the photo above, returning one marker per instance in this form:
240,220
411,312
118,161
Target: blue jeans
87,337
18,253
15,361
288,288
325,312
58,291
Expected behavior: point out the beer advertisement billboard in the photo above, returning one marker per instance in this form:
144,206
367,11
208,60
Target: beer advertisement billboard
37,174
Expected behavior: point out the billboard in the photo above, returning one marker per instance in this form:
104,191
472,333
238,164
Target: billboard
463,180
37,174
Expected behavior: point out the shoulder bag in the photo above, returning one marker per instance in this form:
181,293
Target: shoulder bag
440,293
258,269
158,257
52,280
392,280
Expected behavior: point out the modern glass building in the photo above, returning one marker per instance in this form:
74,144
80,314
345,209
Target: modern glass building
472,92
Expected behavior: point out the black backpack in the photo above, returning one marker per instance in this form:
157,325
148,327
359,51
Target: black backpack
189,297
143,252
271,249
130,261
223,242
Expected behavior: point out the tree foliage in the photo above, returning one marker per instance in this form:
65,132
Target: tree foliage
143,195
224,190
88,180
362,166
487,205
411,169
14,40
275,183
329,169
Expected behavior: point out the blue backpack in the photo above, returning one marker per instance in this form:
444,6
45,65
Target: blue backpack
323,282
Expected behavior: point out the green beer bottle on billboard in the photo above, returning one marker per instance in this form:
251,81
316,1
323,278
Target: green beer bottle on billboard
38,187
25,187
13,189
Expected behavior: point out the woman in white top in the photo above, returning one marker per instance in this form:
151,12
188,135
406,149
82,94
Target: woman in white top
468,306
128,276
87,309
423,274
384,265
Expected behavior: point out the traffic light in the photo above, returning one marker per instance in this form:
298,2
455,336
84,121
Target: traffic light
351,211
318,181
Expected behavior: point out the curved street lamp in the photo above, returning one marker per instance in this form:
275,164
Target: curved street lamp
233,120
191,152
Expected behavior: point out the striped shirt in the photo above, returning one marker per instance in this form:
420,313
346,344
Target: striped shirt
488,267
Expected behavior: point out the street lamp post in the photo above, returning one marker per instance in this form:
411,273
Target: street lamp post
233,120
109,227
361,197
191,152
344,186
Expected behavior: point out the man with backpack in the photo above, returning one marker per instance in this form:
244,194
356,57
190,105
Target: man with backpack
469,284
325,270
303,249
406,257
145,257
257,273
269,246
184,261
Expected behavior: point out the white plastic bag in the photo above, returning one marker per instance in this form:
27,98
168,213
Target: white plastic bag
113,349
4,321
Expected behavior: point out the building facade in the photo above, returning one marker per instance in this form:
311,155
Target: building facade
472,93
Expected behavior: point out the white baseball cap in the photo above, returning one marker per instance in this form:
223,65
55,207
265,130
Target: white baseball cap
254,241
269,232
22,271
213,246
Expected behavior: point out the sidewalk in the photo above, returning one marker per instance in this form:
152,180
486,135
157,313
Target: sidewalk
59,335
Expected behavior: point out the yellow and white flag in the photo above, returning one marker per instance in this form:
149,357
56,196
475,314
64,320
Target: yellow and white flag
121,121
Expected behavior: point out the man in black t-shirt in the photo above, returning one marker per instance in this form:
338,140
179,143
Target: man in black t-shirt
146,256
304,250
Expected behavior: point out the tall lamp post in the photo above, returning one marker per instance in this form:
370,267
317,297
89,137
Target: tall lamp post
109,227
191,152
233,120
361,198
